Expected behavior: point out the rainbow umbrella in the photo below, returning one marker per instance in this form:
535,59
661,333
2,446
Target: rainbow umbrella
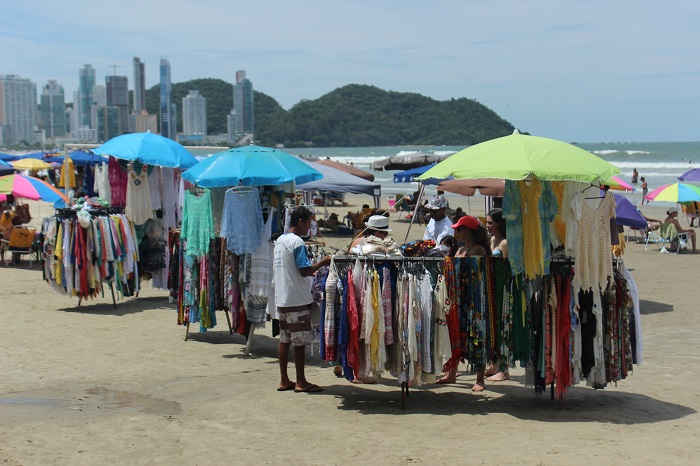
676,192
29,187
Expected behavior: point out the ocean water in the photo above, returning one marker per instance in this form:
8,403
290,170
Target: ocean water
659,162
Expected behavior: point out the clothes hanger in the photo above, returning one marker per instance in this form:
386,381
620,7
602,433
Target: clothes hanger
241,189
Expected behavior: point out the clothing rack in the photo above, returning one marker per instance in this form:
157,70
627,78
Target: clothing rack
70,213
391,258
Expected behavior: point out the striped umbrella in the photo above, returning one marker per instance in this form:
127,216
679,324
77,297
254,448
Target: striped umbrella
676,192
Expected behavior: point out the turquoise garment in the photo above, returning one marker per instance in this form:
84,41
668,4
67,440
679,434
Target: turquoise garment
197,223
513,213
548,208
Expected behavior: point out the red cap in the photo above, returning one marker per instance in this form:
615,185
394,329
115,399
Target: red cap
467,221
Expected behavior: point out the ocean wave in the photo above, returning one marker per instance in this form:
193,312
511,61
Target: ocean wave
615,151
655,165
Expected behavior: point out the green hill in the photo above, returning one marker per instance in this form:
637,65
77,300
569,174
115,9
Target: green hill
351,116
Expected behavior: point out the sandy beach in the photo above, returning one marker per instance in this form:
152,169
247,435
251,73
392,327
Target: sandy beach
91,384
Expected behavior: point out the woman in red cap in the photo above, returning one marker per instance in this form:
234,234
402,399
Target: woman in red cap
474,238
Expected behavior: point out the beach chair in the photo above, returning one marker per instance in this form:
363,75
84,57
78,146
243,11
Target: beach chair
19,243
667,239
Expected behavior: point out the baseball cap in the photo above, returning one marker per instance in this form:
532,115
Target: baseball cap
672,210
437,202
378,222
467,221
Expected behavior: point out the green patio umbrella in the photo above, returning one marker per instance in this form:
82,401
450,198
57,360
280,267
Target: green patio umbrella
518,156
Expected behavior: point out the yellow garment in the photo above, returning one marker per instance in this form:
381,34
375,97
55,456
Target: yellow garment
374,339
67,174
533,255
58,252
6,222
619,249
559,223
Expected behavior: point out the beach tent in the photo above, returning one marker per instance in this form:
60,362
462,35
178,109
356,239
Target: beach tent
409,176
346,168
7,157
6,168
80,158
337,181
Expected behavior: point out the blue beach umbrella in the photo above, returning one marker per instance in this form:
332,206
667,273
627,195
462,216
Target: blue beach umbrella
627,213
148,148
250,166
691,176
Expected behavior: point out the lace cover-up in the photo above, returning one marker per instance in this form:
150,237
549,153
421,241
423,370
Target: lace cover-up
593,252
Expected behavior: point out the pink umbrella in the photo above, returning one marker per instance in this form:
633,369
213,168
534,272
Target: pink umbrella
617,184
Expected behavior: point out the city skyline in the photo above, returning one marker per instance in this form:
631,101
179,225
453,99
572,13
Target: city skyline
593,71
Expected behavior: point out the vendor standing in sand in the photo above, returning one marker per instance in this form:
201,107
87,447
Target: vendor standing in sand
293,298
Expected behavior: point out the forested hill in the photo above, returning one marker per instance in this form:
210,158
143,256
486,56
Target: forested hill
351,116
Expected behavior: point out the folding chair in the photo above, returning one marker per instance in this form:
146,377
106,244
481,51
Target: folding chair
19,243
667,239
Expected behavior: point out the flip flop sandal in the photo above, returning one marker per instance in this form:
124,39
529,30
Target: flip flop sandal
310,389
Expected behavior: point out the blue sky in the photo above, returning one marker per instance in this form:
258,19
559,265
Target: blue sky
594,71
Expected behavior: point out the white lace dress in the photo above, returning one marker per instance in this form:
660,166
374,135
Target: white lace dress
593,251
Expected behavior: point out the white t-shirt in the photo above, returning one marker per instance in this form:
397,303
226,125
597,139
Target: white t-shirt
436,229
291,288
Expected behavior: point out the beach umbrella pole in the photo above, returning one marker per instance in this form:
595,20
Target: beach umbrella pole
415,210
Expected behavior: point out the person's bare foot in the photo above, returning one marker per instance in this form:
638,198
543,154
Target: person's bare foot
498,377
365,380
447,379
478,387
490,371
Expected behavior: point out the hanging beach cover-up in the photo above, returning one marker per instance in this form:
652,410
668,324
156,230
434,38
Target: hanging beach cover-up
198,223
242,222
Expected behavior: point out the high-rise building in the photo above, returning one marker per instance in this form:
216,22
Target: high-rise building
118,97
53,110
139,86
86,87
167,128
242,118
17,110
194,114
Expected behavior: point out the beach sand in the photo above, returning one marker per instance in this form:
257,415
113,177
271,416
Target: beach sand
91,384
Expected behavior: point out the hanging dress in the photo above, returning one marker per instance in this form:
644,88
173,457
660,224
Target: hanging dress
198,223
138,197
